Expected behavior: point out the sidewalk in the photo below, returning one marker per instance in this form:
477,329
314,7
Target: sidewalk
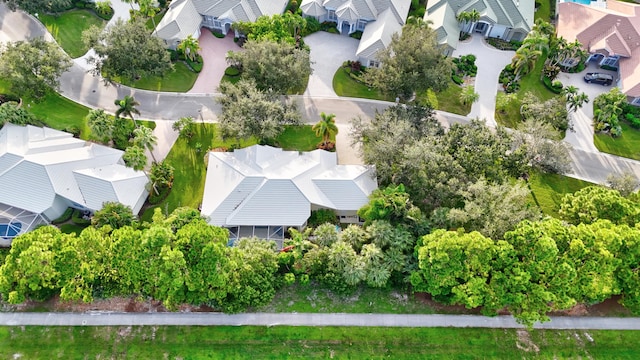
306,319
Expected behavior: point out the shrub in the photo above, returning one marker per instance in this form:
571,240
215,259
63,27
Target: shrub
232,71
322,216
554,86
173,55
325,26
79,218
457,79
633,120
195,66
356,35
356,66
218,34
313,25
64,217
607,67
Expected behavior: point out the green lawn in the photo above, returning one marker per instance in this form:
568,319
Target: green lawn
449,100
71,228
547,190
156,18
180,79
280,342
529,83
544,11
68,26
344,85
300,138
627,145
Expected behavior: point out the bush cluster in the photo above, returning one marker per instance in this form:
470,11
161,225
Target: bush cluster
554,86
464,66
508,80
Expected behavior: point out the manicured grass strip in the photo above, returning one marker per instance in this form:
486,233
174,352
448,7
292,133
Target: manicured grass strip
315,298
180,79
300,138
223,342
627,145
60,113
344,85
547,190
449,100
67,29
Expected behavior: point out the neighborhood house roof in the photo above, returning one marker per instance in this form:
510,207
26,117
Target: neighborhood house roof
377,35
39,164
181,20
239,10
262,186
614,30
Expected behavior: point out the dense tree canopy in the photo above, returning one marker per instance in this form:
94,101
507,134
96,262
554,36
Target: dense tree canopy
279,28
10,112
32,67
412,63
126,51
594,203
38,6
276,67
248,111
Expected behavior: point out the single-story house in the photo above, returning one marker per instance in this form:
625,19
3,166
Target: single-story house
186,17
261,190
508,20
378,20
611,35
45,171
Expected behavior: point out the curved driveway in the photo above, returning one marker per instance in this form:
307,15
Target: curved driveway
81,87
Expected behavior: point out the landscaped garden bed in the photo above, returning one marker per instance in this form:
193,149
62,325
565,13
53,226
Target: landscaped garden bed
347,81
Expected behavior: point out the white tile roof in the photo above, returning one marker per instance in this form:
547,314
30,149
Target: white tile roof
377,35
313,7
239,10
262,185
36,164
181,20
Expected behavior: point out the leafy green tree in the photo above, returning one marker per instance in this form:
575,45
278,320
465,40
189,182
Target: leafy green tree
101,124
494,209
11,113
113,214
126,51
552,111
285,28
135,158
325,235
127,106
412,63
280,68
393,204
326,127
38,6
247,112
144,138
607,108
455,267
189,47
593,203
161,176
149,9
184,126
538,140
31,67
625,183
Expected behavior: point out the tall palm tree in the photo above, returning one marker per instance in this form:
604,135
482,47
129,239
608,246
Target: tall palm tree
524,60
574,99
148,9
468,95
127,107
143,137
101,124
537,41
544,27
189,47
134,157
326,127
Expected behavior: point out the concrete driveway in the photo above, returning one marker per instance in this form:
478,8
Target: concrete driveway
214,52
581,137
328,52
490,62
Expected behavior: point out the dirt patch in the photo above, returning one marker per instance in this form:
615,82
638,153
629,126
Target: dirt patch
525,343
426,299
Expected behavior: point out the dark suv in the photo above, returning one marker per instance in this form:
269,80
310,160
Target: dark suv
599,78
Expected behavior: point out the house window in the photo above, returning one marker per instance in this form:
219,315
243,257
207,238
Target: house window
361,25
374,63
610,61
332,15
636,101
217,24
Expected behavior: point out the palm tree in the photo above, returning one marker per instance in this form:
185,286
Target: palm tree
574,100
134,157
536,41
127,107
544,27
466,19
148,9
144,138
326,127
100,124
189,47
524,59
469,95
161,174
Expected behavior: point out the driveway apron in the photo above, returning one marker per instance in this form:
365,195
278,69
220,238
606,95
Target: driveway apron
328,52
490,62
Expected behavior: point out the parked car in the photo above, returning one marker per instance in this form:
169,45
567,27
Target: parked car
599,78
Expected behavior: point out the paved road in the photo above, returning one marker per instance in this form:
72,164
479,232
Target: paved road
307,319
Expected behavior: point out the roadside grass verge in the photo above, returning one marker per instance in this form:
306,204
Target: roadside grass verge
180,79
189,163
449,100
626,145
344,85
67,28
276,342
547,190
